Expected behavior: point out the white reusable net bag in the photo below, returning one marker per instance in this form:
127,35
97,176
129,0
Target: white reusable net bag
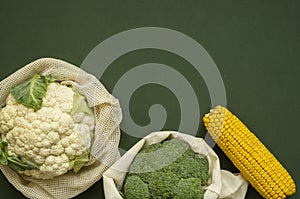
104,147
222,184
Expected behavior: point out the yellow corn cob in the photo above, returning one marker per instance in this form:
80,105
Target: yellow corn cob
257,164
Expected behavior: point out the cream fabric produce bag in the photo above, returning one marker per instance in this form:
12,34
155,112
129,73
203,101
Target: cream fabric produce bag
104,146
221,184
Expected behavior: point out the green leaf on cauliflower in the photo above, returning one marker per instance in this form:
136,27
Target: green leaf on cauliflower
17,164
80,105
79,161
31,92
3,152
13,161
3,159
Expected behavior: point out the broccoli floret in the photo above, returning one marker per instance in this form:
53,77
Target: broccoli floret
151,148
167,167
203,167
186,168
163,185
178,146
135,188
158,156
189,188
191,166
141,163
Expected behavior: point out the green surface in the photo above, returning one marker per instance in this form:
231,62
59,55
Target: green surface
255,45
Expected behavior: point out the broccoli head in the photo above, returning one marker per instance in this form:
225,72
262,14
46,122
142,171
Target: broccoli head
167,170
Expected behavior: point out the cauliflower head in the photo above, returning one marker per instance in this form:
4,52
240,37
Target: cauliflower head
55,138
170,169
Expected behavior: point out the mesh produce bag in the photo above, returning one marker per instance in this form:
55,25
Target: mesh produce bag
104,146
222,184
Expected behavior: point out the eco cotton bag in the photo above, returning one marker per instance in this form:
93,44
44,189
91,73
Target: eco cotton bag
222,184
104,146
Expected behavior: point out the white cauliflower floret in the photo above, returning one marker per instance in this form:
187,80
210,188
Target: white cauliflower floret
85,134
78,117
51,164
51,136
89,121
85,126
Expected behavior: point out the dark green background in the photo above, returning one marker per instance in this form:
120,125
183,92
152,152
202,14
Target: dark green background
255,45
